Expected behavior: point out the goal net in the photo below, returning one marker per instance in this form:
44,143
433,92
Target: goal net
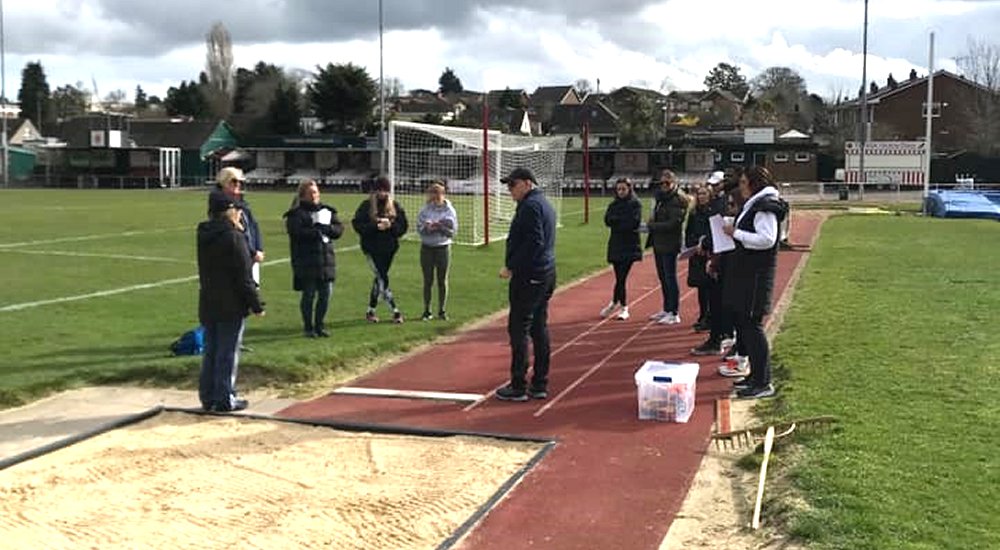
422,153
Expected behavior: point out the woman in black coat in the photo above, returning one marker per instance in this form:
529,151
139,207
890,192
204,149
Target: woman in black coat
756,233
699,230
624,215
312,227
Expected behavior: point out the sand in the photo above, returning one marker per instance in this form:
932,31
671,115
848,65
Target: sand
185,481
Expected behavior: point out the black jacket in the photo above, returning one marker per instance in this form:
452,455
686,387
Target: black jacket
531,241
227,290
374,241
311,243
624,216
698,226
668,222
748,291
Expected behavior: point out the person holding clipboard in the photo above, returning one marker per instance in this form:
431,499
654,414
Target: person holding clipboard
312,227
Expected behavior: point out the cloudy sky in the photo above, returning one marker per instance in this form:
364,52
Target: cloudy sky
663,44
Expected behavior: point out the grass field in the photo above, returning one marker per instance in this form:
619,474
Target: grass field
58,244
892,330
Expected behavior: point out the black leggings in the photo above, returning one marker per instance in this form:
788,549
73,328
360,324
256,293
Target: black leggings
380,264
704,302
621,277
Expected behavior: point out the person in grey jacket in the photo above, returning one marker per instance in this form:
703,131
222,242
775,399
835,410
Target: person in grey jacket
437,224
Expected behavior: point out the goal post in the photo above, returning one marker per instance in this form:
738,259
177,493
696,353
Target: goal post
421,153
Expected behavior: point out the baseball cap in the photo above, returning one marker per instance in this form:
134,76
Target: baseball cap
519,174
230,173
220,202
716,177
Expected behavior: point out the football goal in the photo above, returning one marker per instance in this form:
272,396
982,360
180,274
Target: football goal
471,162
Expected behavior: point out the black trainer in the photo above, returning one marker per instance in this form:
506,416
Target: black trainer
322,333
510,393
743,383
538,393
442,315
759,392
238,405
710,347
701,326
426,316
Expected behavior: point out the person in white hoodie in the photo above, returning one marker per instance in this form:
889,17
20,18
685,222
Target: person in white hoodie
437,224
754,262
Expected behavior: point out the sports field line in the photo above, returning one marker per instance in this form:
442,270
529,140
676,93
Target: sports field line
97,255
93,237
599,364
572,341
132,288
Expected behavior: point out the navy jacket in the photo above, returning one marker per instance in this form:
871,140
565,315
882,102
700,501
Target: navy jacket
531,242
227,291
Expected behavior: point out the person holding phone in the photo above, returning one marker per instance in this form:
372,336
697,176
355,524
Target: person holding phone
437,224
380,222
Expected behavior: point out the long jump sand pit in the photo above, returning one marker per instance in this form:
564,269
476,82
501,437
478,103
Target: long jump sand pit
179,480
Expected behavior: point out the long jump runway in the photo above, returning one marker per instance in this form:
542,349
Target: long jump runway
612,481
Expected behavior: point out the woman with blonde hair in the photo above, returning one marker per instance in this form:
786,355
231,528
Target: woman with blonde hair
312,227
437,224
380,222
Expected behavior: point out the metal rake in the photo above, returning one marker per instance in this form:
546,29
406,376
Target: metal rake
742,439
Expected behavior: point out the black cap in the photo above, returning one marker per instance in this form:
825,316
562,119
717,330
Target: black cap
220,202
519,174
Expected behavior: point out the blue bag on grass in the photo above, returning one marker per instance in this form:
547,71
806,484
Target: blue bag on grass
191,342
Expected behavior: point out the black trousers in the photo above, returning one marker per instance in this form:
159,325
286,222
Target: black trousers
621,277
704,303
750,331
529,316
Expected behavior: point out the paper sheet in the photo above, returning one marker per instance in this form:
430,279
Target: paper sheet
255,272
720,241
322,216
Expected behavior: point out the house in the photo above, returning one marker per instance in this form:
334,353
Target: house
790,156
569,120
545,98
714,107
896,112
21,130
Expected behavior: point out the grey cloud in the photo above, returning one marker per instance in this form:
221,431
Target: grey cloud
152,28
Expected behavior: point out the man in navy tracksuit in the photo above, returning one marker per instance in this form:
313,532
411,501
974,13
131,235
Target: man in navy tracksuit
531,268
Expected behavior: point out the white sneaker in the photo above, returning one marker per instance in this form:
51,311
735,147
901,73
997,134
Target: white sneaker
670,319
658,315
609,309
728,342
735,368
623,315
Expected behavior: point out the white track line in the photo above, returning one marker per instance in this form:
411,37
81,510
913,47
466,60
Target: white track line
574,340
600,364
91,237
89,255
408,394
123,290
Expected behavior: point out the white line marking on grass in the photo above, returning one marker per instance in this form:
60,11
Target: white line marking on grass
597,367
572,341
123,290
407,394
96,255
91,237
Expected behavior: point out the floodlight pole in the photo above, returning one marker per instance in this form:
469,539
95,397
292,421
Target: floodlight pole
930,122
381,88
3,101
862,177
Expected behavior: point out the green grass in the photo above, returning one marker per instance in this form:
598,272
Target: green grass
123,338
892,330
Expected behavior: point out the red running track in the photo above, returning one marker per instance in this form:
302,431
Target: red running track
612,481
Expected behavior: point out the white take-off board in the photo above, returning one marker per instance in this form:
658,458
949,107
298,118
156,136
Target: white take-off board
886,162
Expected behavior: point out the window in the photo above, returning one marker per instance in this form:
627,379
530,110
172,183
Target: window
718,156
781,157
802,157
737,156
935,109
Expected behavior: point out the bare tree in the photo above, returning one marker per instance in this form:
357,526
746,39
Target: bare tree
981,64
219,69
582,87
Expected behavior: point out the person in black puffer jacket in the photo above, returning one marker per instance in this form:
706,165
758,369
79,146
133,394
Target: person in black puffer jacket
623,216
380,222
699,231
227,294
754,262
312,227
